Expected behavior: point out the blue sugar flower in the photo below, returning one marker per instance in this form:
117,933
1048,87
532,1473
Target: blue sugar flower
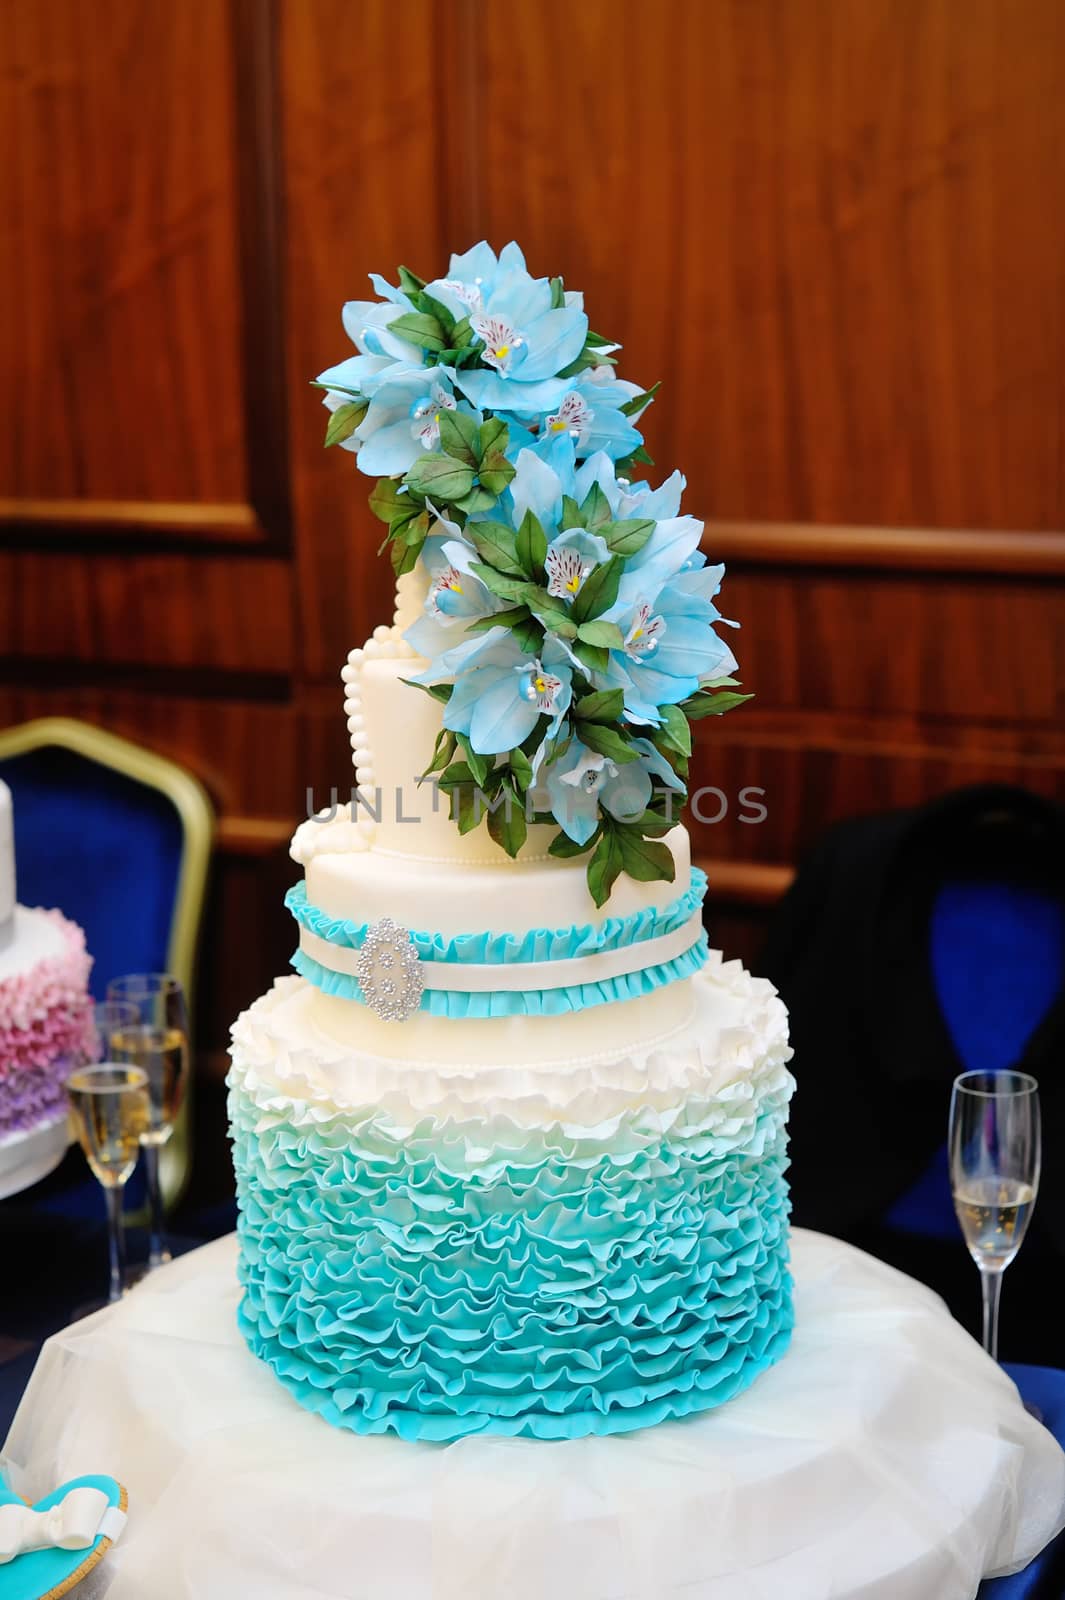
456,595
500,692
540,483
526,341
582,781
589,413
670,645
630,499
403,420
571,556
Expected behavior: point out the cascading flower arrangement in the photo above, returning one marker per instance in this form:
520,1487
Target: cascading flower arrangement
569,620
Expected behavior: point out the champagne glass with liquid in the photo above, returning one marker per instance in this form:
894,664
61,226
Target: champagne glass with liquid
111,1018
158,1043
109,1109
995,1152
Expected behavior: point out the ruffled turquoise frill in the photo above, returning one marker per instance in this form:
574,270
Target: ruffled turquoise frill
413,1280
458,1003
539,945
497,949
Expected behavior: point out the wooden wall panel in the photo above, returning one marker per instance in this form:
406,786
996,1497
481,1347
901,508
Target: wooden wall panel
119,345
365,138
834,230
146,610
950,648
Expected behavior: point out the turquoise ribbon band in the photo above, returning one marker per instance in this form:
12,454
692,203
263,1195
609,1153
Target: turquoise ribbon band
539,944
457,1003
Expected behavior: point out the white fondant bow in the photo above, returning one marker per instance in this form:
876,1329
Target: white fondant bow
74,1524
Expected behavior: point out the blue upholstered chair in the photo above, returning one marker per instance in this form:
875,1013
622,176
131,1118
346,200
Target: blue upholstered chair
119,839
977,928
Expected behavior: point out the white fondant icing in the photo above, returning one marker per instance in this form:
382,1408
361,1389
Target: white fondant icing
401,725
733,1045
37,937
7,856
485,894
475,1043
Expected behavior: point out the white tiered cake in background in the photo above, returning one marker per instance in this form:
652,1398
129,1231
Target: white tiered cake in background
45,1024
7,868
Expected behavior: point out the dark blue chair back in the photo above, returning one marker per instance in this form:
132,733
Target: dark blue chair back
118,839
997,951
103,848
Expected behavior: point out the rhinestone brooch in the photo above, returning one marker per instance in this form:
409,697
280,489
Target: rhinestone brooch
390,972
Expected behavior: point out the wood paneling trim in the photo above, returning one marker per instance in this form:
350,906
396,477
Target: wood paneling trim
31,521
941,550
749,883
256,31
253,836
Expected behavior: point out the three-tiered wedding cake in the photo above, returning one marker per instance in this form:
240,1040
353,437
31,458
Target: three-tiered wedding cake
510,1148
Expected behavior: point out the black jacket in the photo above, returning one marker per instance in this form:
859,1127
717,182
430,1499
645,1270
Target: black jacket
849,951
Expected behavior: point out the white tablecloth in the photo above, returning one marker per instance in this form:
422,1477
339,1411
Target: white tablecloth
885,1458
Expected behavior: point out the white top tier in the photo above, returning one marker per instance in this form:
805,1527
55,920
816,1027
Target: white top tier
7,857
393,728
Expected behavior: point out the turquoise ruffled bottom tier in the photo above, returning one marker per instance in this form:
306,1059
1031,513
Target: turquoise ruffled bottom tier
410,1279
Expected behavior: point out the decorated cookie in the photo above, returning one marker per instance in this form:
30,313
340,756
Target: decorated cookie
46,1548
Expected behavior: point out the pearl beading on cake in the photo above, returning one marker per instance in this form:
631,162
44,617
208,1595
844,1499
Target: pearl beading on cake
386,642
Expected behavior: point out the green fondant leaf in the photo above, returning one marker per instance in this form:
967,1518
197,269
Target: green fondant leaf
458,436
604,867
594,658
595,512
716,704
479,765
646,860
521,768
500,583
627,537
603,705
598,592
606,635
440,477
674,731
497,544
608,742
438,691
640,402
419,329
344,420
571,514
389,502
506,822
531,544
565,848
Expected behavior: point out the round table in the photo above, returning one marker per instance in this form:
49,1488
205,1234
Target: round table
26,1158
884,1458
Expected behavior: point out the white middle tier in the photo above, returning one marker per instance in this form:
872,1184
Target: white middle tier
489,894
484,1041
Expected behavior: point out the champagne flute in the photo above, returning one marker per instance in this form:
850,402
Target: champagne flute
109,1019
109,1108
995,1154
159,1044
